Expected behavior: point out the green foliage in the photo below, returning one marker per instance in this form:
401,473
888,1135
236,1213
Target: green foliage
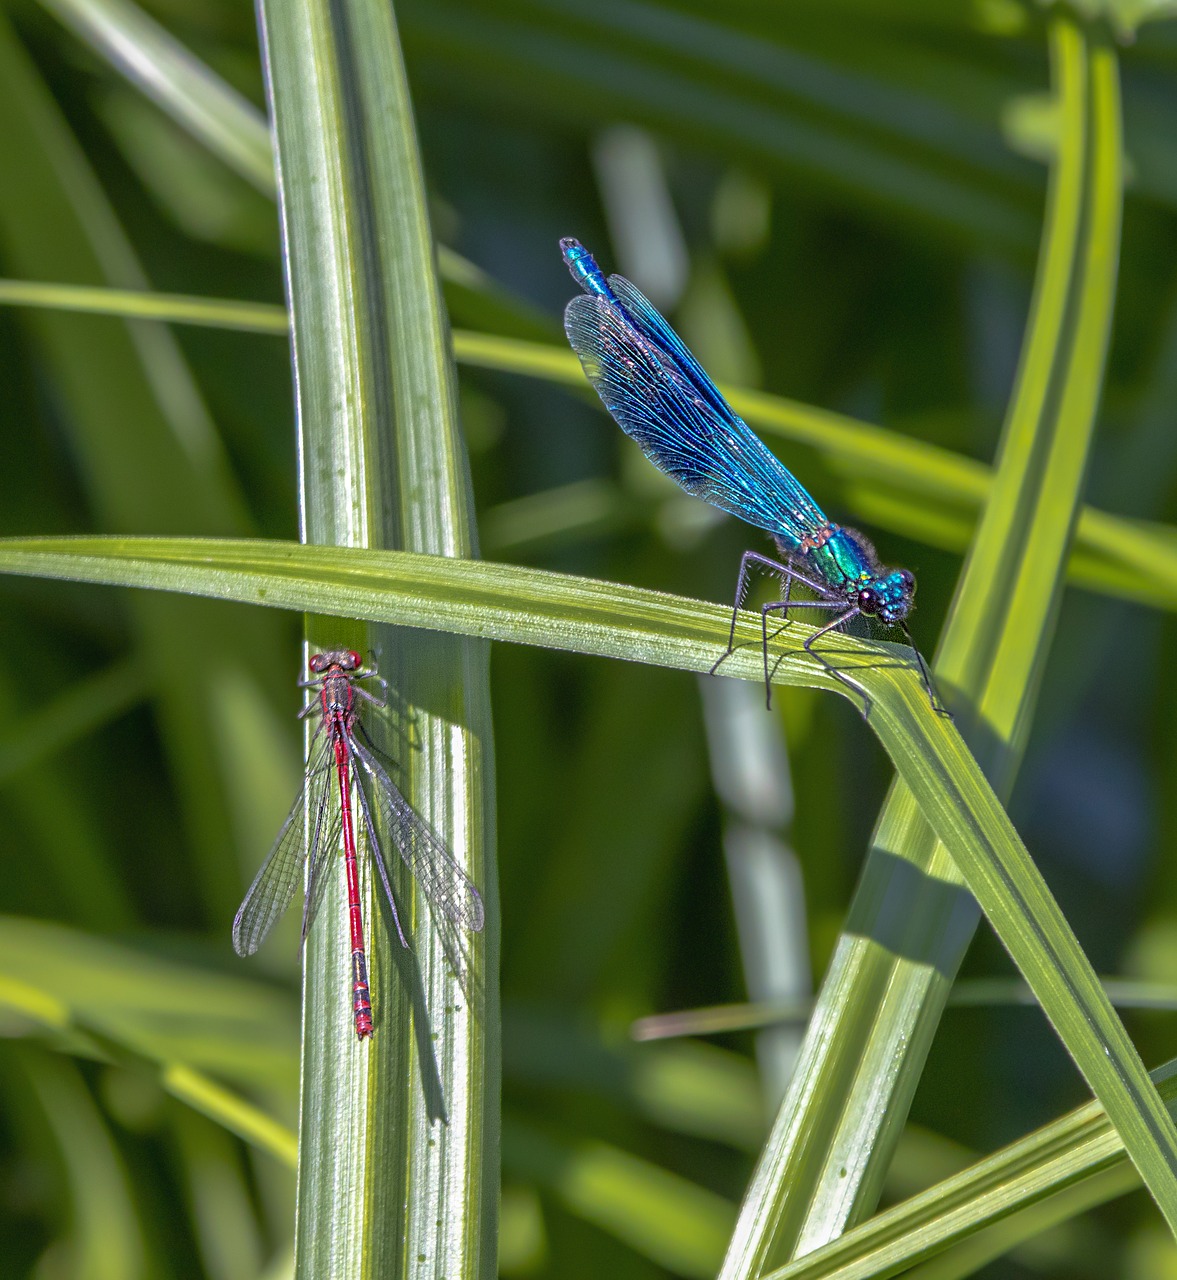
838,200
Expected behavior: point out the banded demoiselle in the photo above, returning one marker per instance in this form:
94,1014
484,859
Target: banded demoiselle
658,393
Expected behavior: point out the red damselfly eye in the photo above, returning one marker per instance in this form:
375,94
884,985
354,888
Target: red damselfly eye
350,660
318,662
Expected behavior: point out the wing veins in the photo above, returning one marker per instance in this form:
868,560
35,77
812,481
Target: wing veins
274,886
447,887
659,395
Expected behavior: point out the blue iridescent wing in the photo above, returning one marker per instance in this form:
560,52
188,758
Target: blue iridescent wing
659,395
653,325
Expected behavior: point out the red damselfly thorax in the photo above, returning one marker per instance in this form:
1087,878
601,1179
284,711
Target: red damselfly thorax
342,753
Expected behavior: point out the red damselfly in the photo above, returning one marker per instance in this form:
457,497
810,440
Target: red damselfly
342,752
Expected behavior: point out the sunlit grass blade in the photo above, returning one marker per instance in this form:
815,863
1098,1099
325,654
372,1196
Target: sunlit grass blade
1078,1156
32,1013
1028,1236
238,1029
881,1001
409,1119
230,1111
103,1000
587,616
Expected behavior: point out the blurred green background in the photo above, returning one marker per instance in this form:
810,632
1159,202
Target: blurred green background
838,202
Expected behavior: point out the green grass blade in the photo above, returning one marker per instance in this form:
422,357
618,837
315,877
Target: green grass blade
189,91
231,128
967,993
586,616
409,1120
106,1238
216,313
451,1178
464,597
884,993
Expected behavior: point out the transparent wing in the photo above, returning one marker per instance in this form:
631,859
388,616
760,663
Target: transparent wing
321,859
281,873
365,808
678,417
443,882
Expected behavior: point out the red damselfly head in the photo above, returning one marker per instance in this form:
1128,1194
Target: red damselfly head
345,659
